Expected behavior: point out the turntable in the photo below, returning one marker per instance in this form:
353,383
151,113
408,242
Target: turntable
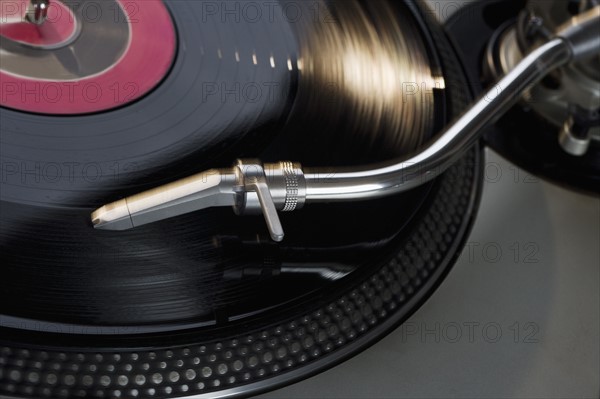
354,133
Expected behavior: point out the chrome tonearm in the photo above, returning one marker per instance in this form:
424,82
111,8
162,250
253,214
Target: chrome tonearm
251,186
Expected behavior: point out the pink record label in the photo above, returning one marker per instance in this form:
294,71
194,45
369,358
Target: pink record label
90,58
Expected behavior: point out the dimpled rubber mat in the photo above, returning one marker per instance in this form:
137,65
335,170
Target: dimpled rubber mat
266,355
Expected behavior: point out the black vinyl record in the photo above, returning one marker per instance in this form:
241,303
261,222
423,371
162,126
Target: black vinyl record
206,305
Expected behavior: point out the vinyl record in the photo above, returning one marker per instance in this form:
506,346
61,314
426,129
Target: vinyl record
205,304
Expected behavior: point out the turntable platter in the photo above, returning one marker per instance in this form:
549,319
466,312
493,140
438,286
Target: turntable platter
206,304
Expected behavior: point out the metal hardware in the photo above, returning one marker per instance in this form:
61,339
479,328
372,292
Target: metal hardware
37,11
569,97
269,189
249,187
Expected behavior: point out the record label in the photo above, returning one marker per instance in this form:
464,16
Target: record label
86,57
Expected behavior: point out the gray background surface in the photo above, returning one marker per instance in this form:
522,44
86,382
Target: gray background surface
517,317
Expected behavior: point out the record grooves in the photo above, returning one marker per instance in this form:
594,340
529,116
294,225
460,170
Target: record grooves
206,304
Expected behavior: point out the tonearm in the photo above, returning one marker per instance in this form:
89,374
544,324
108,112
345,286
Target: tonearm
251,186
